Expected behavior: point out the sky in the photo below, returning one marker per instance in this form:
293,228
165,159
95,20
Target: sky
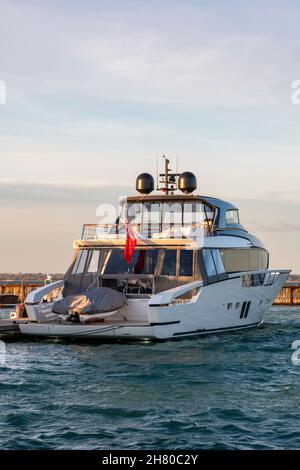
96,90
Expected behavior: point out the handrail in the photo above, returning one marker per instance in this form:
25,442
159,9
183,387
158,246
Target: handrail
168,296
261,278
126,276
257,271
146,231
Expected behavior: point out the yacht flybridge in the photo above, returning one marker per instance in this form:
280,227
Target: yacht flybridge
173,265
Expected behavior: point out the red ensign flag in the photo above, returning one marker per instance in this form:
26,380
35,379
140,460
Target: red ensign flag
129,245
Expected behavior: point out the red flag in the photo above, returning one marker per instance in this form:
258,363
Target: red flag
129,245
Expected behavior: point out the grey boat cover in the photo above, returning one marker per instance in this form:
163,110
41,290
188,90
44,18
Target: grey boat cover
96,300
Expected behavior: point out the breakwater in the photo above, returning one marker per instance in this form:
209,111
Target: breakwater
289,294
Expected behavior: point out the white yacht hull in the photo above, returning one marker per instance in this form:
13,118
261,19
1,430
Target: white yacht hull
224,306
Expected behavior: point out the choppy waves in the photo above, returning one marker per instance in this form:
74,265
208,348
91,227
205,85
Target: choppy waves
230,391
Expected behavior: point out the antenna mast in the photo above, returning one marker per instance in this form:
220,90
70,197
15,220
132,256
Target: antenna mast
168,179
166,174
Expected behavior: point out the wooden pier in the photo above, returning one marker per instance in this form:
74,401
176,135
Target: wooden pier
289,295
18,289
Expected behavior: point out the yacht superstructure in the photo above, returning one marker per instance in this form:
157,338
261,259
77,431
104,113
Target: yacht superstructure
173,265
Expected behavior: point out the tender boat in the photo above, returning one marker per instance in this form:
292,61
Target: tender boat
174,265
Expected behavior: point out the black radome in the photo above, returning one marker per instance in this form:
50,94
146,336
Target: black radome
187,182
145,183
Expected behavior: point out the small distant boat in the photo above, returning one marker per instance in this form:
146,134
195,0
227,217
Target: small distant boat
172,266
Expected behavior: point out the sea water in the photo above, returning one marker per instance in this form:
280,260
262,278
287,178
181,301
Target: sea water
235,390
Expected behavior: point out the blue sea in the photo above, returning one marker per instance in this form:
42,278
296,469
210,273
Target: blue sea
229,391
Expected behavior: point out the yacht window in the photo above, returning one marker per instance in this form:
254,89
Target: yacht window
209,263
193,213
172,213
78,256
151,218
169,266
152,213
209,213
80,262
134,214
186,263
218,261
143,262
263,259
247,259
232,217
146,262
94,261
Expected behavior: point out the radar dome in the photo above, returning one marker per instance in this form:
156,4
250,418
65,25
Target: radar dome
187,182
145,183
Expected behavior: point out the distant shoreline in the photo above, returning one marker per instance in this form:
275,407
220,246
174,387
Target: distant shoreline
57,276
29,276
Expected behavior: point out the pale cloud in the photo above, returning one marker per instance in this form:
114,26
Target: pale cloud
228,71
14,193
193,59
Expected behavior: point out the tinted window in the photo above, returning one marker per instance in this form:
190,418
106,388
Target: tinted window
143,262
78,256
209,263
247,259
232,217
186,263
80,262
146,262
93,265
169,267
218,261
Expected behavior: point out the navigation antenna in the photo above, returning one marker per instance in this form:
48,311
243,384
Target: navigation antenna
169,180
